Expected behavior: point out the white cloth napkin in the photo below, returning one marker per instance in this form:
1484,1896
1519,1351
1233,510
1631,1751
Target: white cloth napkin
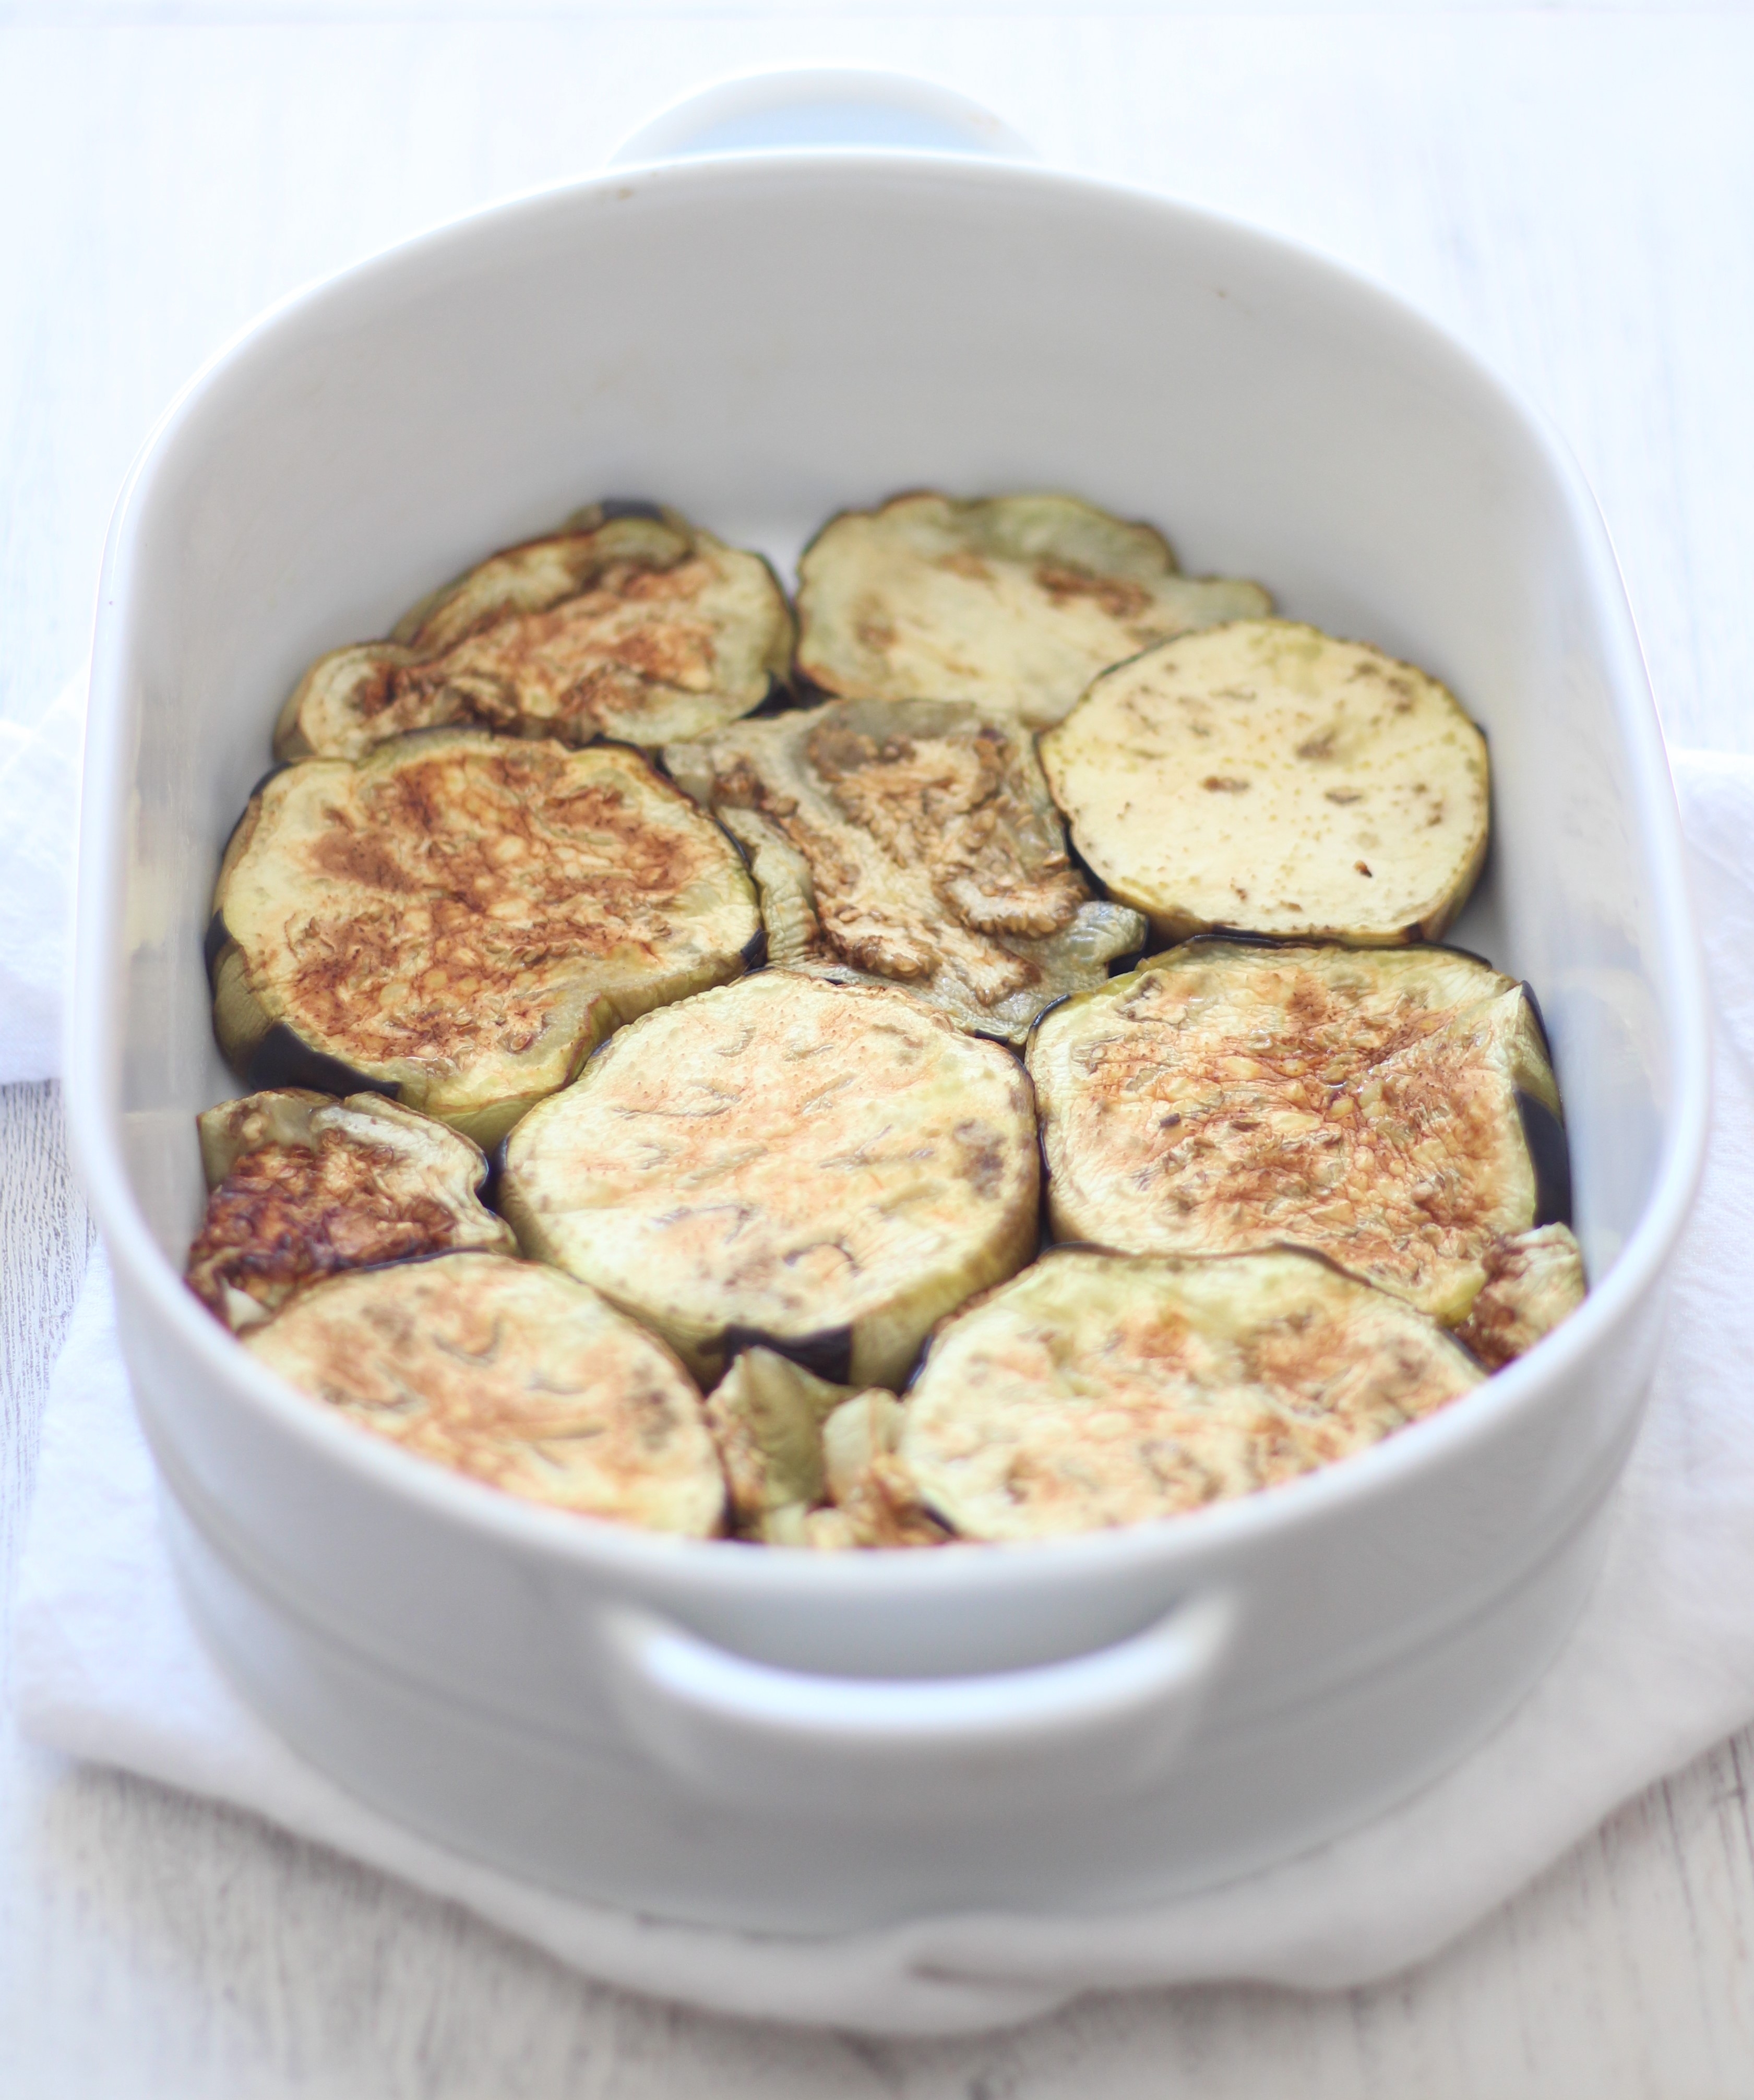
1660,1666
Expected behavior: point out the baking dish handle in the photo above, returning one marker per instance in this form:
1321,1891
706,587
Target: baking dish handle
820,106
1097,1725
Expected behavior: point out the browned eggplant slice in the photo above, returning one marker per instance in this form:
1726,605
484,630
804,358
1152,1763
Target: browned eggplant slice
1368,1103
1534,1280
631,623
819,1169
1015,603
1099,1389
460,919
913,842
302,1186
813,1464
1266,778
513,1374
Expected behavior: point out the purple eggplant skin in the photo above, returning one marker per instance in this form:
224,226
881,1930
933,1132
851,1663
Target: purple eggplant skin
828,1352
1550,1152
283,1058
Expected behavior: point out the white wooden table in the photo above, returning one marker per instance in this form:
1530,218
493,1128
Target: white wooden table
1572,190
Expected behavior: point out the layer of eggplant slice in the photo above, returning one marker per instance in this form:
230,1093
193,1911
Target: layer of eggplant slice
640,627
1013,602
1534,1280
513,1374
1267,778
812,1463
1376,1104
460,919
819,1169
1099,1389
302,1186
913,842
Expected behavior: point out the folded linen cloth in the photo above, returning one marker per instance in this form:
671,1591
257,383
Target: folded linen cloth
1661,1666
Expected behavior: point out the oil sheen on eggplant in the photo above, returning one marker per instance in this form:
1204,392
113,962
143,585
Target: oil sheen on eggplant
514,1375
1099,1389
1264,777
630,623
1015,603
302,1186
1367,1103
823,1169
461,918
916,843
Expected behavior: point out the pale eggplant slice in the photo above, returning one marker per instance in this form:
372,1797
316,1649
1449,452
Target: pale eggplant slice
459,920
811,1463
1268,778
642,628
1534,1280
513,1374
1015,603
875,1500
913,842
767,1415
1372,1104
1099,1389
302,1186
819,1169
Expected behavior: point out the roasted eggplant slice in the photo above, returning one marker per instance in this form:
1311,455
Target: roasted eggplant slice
810,1463
1534,1280
1015,603
636,625
1267,778
460,919
1364,1102
302,1186
875,1500
767,1415
914,842
511,1373
819,1169
1099,1389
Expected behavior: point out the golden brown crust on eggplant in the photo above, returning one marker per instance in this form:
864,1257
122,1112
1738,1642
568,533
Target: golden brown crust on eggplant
913,842
1534,1280
821,1168
513,1374
637,628
1264,777
1362,1102
1014,602
1099,1389
464,918
308,1187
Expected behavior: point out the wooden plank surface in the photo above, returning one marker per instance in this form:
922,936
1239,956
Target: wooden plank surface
1568,189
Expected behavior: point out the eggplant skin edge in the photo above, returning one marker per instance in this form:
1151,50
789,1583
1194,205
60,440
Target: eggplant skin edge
826,1354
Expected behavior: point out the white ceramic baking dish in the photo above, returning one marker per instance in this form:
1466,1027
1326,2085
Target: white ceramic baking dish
771,1739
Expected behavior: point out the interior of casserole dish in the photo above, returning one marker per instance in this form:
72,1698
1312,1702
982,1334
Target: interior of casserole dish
760,343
